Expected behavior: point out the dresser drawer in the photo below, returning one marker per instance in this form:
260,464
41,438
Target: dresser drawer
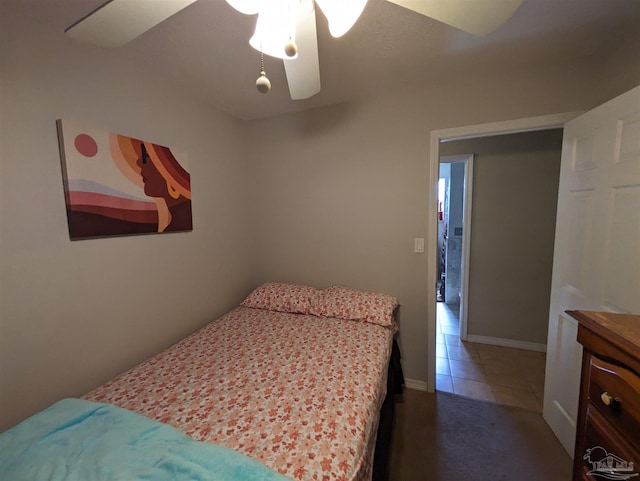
604,449
608,424
621,388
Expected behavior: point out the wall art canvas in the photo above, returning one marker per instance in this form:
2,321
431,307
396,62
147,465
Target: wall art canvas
119,185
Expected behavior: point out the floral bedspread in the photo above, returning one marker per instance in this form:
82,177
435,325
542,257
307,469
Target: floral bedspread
299,393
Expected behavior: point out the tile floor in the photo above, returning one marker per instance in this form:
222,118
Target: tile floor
504,375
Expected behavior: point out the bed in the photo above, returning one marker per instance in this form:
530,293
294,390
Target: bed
294,378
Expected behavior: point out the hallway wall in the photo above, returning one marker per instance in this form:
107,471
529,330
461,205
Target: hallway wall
515,189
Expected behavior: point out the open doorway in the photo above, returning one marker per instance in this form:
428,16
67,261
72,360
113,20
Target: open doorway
454,230
500,357
436,137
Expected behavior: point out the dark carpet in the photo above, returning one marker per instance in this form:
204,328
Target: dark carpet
444,437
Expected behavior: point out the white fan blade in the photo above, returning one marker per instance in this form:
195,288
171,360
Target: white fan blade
117,22
477,17
303,73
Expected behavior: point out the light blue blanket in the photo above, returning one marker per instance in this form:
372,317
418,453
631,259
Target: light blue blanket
77,440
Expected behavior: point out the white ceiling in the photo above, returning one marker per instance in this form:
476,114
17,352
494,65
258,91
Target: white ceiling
204,49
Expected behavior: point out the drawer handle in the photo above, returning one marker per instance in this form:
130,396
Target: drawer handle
608,399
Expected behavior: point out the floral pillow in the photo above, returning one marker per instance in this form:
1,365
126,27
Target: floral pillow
276,296
345,303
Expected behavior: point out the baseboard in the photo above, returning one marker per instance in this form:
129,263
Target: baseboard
415,384
497,341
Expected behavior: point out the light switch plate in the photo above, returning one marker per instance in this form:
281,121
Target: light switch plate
418,245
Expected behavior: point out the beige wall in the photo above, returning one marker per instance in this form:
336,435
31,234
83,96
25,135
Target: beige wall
515,192
341,192
73,314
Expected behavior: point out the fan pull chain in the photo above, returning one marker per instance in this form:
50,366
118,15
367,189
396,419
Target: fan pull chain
291,47
263,84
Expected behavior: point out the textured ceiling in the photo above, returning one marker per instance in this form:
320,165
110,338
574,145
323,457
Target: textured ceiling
204,48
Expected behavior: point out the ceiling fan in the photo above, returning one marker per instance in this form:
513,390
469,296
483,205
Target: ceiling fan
285,29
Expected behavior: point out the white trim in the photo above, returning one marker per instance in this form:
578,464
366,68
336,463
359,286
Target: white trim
466,244
471,131
497,341
415,384
529,124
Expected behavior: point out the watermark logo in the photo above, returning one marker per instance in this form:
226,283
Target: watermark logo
608,466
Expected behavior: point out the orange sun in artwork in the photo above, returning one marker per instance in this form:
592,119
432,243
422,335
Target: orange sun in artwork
86,145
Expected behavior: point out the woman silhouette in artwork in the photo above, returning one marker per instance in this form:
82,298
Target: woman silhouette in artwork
168,184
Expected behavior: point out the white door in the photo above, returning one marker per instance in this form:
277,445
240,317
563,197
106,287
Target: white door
596,262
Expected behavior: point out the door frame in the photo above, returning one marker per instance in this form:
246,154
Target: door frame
467,196
528,124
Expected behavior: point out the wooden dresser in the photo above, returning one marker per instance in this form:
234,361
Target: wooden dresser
608,429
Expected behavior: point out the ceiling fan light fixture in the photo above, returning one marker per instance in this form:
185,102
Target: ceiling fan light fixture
341,14
248,7
274,30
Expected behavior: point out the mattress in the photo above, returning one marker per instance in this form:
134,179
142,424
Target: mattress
299,393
